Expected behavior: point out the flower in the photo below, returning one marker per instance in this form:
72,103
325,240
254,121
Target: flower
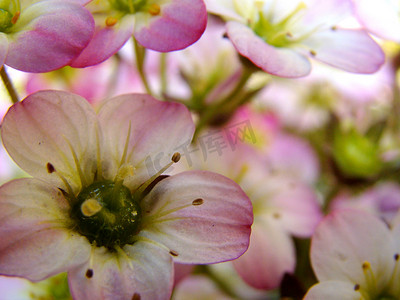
355,256
97,210
278,36
40,36
161,25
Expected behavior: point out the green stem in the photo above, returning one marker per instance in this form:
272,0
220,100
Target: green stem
163,73
9,86
140,53
216,108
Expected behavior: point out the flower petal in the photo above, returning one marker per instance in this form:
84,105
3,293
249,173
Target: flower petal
105,42
35,242
270,255
202,217
145,270
281,62
44,132
333,290
347,239
3,48
49,34
347,49
180,24
157,129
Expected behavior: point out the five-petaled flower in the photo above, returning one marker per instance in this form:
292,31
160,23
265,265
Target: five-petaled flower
278,36
355,256
94,207
161,25
41,36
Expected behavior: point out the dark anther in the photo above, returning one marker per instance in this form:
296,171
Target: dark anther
89,273
50,168
198,201
173,253
136,296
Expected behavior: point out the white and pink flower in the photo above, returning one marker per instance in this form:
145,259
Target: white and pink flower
161,25
95,209
355,256
278,36
40,36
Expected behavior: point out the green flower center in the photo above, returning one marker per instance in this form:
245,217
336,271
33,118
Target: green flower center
107,214
128,6
9,14
5,20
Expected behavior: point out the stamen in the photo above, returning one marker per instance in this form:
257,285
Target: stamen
136,296
90,207
50,168
174,159
77,165
173,253
99,170
198,201
154,9
393,282
369,277
15,17
313,53
111,21
124,255
89,273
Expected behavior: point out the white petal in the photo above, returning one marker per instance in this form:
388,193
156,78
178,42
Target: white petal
333,290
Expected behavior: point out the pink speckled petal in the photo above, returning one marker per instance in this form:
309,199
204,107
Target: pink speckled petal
35,242
180,24
281,62
202,217
48,35
144,269
347,49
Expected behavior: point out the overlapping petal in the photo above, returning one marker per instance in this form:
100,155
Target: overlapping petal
270,255
180,24
48,35
282,62
52,134
35,242
156,130
333,290
106,41
3,48
145,270
351,50
201,217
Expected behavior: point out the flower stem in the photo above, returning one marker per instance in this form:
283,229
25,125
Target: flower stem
9,85
140,53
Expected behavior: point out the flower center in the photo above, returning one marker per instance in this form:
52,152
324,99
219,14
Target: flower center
107,214
371,290
9,14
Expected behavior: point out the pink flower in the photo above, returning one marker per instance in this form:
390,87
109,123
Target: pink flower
40,36
355,256
161,25
98,211
278,36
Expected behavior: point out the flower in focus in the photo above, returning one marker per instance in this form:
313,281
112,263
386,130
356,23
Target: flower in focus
278,36
355,256
161,25
95,208
40,36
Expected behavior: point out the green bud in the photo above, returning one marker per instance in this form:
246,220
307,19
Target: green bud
355,154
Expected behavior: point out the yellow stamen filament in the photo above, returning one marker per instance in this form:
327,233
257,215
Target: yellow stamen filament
154,9
111,21
370,279
90,207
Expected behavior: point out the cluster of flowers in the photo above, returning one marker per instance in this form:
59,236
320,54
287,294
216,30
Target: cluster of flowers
163,138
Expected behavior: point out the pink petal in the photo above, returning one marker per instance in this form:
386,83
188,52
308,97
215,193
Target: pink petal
3,48
281,62
344,241
145,269
41,132
54,33
157,130
270,255
105,43
298,208
347,49
202,217
180,24
333,290
35,243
